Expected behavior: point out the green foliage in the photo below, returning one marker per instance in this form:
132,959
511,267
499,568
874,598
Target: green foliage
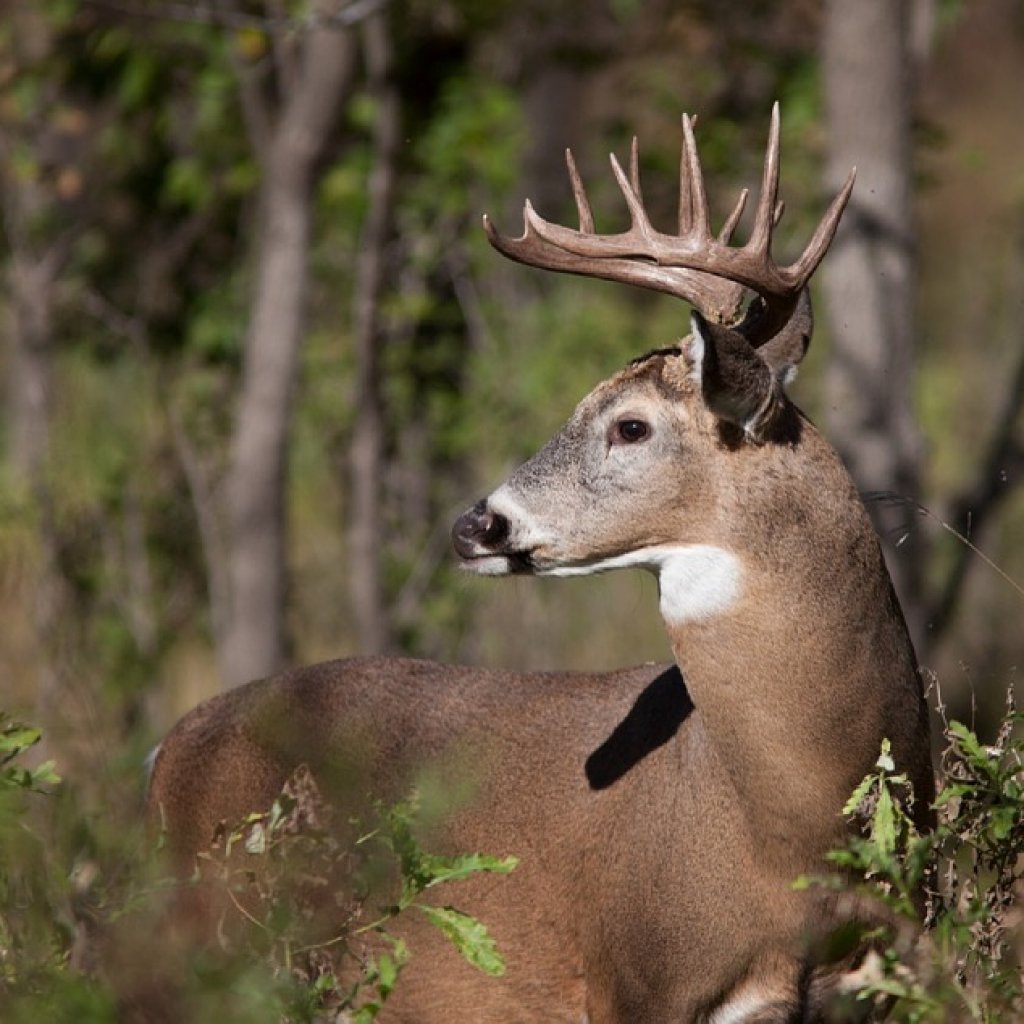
469,145
294,857
30,944
15,739
421,871
942,907
293,942
891,855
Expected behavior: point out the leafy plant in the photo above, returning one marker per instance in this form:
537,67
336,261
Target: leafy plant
26,944
422,871
286,889
295,944
945,932
15,739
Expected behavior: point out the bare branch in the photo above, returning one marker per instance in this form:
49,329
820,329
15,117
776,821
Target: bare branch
255,643
285,48
115,320
204,501
351,13
367,447
320,91
1002,469
256,113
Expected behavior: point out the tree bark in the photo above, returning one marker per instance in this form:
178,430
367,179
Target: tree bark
254,641
369,603
31,285
869,277
35,261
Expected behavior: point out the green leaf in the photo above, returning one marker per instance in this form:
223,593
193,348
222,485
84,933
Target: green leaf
469,936
953,792
18,737
883,824
138,79
187,183
1003,821
387,974
366,1013
46,774
889,987
858,795
458,868
971,746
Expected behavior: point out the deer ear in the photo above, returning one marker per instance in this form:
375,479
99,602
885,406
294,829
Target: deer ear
738,386
784,350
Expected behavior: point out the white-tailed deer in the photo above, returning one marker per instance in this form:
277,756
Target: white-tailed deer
660,813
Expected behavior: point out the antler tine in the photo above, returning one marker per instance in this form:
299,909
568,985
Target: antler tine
640,224
685,200
725,235
634,169
764,216
579,193
699,226
816,248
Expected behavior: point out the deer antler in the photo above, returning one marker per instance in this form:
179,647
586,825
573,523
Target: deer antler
693,264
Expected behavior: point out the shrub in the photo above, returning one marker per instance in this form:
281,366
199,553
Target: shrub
940,912
109,958
944,907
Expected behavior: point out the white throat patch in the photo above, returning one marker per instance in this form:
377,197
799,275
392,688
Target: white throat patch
695,581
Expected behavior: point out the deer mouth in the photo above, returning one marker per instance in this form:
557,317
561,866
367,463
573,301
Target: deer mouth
517,563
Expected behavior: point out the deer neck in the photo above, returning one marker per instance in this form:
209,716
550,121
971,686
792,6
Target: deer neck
798,663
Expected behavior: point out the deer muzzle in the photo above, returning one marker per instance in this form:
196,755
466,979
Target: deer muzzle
481,538
479,532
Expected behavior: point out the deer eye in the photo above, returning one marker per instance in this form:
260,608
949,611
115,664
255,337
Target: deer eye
631,431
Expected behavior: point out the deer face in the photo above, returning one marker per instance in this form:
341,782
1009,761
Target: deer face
631,480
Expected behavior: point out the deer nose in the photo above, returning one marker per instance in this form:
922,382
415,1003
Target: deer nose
477,529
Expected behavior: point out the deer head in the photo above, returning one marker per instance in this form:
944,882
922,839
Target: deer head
644,472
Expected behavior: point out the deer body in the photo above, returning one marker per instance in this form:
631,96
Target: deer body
661,813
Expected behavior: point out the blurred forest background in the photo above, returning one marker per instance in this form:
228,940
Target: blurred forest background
257,354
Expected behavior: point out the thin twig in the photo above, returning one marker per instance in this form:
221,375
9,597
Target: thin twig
209,14
970,545
245,913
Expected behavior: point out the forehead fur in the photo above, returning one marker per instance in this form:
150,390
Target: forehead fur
666,368
665,371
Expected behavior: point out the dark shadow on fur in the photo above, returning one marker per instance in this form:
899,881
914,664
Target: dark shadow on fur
652,721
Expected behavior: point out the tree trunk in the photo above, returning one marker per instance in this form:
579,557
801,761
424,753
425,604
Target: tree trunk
368,439
35,260
869,277
30,373
254,642
32,282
